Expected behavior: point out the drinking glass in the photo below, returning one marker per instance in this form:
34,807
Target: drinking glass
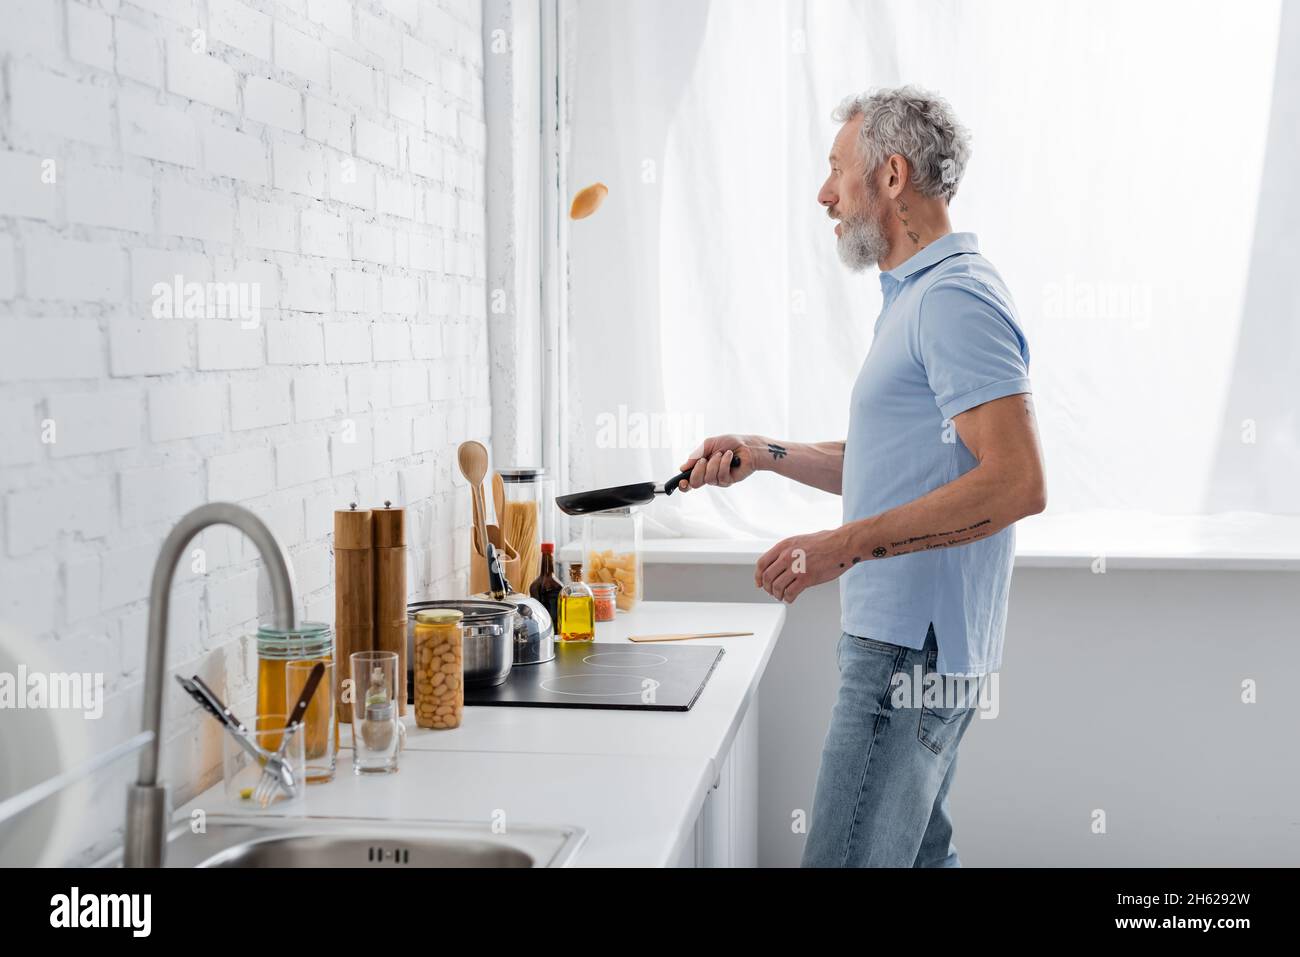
376,727
241,772
320,731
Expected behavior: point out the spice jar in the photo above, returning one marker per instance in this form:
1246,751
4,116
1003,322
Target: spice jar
606,595
439,669
611,542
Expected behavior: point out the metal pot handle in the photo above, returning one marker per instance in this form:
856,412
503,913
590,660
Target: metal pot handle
486,630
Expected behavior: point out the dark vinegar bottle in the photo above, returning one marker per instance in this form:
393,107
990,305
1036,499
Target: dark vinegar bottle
546,589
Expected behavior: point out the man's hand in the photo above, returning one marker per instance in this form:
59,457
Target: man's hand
710,464
800,562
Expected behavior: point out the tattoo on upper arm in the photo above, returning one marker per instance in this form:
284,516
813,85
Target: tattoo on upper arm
932,540
778,451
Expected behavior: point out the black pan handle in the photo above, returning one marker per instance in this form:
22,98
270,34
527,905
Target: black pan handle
671,485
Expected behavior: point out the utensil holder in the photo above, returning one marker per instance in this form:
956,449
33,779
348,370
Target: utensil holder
478,570
241,774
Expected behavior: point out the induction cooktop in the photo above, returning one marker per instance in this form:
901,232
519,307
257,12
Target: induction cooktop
607,675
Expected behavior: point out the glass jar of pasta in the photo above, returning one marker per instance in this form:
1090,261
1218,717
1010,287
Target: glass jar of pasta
611,544
523,515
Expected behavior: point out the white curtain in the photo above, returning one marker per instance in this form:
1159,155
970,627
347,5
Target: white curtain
1118,154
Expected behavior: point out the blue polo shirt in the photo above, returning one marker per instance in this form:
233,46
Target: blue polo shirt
946,341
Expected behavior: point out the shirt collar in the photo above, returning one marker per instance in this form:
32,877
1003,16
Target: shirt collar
945,246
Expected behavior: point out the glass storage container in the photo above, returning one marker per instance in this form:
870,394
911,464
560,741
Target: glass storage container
606,596
439,668
611,548
525,508
310,641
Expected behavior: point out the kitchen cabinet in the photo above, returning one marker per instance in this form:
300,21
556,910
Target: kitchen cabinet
722,727
726,832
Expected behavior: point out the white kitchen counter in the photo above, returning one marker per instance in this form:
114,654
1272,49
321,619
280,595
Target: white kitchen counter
706,731
634,780
1228,541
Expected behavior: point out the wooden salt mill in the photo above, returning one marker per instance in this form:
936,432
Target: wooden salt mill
354,599
389,529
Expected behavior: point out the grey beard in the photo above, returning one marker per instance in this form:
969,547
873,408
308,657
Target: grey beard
862,244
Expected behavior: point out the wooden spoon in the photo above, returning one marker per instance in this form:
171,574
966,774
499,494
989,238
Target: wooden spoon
472,458
499,499
477,514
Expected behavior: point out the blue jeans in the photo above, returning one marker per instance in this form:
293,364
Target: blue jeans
882,791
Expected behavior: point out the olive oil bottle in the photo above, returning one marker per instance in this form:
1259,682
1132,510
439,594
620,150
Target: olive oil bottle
577,608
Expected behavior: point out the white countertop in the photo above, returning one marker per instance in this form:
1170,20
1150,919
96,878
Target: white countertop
706,731
634,780
1229,541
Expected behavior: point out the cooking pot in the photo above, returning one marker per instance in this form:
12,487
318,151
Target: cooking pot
489,635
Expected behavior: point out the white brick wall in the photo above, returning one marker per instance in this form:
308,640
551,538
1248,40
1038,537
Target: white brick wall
330,151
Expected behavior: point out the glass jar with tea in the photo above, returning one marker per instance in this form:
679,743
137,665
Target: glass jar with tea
310,641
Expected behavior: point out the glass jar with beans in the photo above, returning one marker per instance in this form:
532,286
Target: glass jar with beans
439,669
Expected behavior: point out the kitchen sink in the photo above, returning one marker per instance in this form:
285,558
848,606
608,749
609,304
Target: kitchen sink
245,841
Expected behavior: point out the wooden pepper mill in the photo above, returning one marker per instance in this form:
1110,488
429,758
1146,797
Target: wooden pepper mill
354,599
389,528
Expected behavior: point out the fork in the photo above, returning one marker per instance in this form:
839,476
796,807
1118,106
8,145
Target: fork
270,781
198,689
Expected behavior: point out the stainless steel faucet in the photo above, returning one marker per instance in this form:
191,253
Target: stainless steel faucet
147,805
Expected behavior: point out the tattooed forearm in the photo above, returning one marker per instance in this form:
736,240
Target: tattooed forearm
933,535
818,465
932,540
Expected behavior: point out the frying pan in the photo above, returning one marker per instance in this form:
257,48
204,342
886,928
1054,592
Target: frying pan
620,496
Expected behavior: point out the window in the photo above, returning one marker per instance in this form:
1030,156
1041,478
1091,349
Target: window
1130,179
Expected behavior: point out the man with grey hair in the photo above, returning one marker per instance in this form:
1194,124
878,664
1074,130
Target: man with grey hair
942,458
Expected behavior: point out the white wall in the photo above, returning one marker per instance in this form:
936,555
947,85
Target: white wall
1259,444
229,164
512,51
1119,691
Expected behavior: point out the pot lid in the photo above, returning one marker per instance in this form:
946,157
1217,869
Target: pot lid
474,609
